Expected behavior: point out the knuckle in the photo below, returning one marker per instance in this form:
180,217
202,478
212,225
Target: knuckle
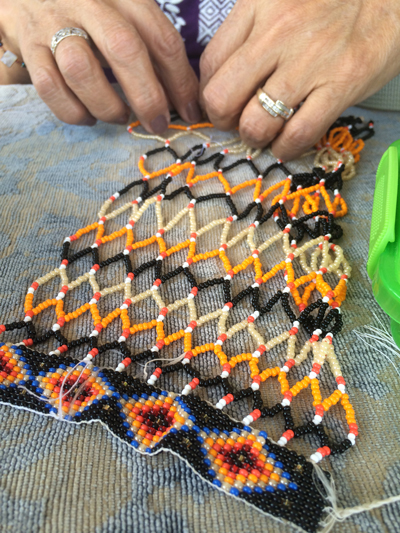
254,132
74,63
44,81
121,46
216,102
170,44
147,101
300,136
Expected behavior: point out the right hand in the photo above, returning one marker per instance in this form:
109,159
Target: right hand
133,37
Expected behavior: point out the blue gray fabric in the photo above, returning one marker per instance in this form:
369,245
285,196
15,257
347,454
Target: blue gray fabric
58,477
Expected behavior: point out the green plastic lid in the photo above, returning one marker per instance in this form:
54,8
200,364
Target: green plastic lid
383,265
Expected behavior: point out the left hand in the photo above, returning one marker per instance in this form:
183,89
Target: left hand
329,54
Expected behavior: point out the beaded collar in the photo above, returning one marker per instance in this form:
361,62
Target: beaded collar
312,273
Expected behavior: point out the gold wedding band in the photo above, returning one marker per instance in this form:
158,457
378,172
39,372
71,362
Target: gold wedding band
275,109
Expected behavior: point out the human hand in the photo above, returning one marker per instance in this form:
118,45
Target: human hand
329,54
134,37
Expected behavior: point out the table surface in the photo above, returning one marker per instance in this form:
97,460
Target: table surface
57,476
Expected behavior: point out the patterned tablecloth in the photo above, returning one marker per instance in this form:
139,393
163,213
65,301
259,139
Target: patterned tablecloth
57,477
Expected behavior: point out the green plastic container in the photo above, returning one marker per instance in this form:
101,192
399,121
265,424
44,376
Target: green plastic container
383,265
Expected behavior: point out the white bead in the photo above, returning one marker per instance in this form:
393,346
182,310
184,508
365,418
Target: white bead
255,386
187,389
124,306
342,388
282,441
285,402
312,375
31,290
120,367
122,339
56,327
221,404
185,361
155,349
317,419
352,438
316,457
93,301
224,374
94,333
27,319
285,369
116,195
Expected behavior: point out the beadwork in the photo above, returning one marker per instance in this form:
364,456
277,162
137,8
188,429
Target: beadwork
230,454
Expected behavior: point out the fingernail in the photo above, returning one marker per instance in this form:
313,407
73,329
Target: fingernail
193,111
89,122
159,124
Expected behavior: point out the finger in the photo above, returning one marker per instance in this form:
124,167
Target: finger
230,36
83,74
127,55
224,97
309,124
257,126
51,86
167,50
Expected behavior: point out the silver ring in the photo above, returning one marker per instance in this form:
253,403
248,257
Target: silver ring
64,33
275,109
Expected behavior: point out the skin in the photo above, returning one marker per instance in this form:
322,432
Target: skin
325,55
132,36
328,54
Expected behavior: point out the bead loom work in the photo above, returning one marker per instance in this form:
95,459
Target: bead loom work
313,273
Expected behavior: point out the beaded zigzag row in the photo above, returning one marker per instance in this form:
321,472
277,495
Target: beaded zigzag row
65,393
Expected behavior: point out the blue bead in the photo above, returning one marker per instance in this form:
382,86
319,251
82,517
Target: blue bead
272,456
95,369
135,444
196,429
212,473
148,450
281,486
207,462
13,385
247,428
112,388
54,410
263,434
268,488
278,464
72,365
293,486
126,425
68,417
130,434
24,359
125,397
117,396
39,390
3,387
258,490
135,396
78,414
101,375
85,408
42,373
234,491
184,428
200,439
18,351
63,367
105,397
13,347
164,393
48,406
145,396
217,431
217,482
266,447
155,394
173,430
226,432
237,430
95,401
192,418
247,490
122,415
206,430
203,451
286,475
50,369
29,372
119,405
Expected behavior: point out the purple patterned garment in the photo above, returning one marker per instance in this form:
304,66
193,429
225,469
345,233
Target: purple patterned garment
197,21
